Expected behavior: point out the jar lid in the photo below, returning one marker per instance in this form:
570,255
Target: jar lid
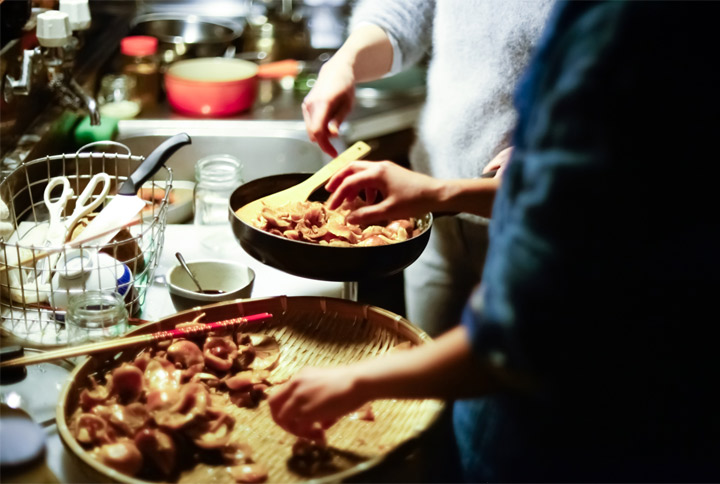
139,45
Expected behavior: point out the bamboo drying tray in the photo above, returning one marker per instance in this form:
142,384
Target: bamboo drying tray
313,331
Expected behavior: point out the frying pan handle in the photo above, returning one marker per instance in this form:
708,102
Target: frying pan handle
490,174
279,69
153,162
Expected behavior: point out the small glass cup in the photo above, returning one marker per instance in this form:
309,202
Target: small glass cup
95,316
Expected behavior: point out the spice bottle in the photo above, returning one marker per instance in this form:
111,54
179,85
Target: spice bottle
140,62
217,176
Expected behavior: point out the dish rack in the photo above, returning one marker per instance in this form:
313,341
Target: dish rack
33,295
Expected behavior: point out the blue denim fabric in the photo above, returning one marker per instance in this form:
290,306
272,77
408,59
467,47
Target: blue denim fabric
472,426
604,257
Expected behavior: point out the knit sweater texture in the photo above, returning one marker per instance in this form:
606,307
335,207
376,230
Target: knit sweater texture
478,49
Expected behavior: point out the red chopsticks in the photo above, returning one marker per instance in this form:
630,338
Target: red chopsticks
133,341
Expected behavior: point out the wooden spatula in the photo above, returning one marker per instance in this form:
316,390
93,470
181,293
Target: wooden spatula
303,190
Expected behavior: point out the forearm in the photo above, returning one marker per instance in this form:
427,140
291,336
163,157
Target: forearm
474,196
443,369
367,51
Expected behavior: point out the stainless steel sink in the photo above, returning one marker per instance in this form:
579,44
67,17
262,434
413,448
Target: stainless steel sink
264,147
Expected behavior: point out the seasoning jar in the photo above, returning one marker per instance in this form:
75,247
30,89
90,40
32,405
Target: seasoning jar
140,62
95,316
217,176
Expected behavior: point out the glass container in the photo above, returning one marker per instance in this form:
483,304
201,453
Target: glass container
217,176
118,97
139,56
95,316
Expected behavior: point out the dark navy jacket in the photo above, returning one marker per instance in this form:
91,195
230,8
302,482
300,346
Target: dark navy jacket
603,273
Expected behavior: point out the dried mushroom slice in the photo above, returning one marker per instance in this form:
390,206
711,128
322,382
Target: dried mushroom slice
267,352
159,448
185,353
246,379
122,456
127,382
219,352
90,429
248,473
213,430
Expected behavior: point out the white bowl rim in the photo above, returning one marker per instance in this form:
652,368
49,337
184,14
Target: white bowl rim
179,291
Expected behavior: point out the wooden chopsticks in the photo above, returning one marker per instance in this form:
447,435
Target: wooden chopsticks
134,341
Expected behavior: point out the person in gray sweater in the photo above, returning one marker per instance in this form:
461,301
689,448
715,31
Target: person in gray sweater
478,49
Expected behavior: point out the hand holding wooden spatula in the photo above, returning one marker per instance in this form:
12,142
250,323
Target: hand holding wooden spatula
301,191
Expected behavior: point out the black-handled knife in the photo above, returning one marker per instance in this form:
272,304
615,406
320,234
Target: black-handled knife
125,206
152,163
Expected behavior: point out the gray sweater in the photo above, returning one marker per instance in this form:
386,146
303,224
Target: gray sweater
479,49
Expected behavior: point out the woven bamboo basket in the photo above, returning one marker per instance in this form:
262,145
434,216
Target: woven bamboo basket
311,331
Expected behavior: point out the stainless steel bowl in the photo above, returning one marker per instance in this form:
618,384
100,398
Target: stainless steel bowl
189,36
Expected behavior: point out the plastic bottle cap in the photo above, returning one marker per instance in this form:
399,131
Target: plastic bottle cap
53,29
79,13
139,45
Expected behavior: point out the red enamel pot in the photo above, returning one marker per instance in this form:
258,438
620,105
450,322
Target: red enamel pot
211,86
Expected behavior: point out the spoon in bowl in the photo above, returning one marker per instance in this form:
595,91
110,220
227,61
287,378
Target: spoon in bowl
192,276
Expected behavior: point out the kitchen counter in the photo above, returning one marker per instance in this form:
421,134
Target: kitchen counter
218,242
375,113
211,242
424,461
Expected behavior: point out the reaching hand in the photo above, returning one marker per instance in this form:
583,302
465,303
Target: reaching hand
405,193
328,103
500,162
315,396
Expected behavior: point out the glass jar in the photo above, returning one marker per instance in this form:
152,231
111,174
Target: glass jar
139,58
117,97
94,316
217,176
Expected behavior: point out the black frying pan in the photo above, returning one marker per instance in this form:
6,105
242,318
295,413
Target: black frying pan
316,261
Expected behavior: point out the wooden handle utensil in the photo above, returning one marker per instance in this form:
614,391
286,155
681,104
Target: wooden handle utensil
304,189
135,341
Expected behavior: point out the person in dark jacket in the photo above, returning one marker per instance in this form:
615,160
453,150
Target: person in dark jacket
590,351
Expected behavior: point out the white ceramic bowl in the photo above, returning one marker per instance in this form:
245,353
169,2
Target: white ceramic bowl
236,280
78,271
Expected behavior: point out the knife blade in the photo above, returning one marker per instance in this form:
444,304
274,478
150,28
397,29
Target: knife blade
126,204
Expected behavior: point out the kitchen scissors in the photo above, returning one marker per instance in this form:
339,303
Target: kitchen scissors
59,230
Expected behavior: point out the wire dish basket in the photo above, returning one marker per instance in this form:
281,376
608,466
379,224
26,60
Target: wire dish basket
34,290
